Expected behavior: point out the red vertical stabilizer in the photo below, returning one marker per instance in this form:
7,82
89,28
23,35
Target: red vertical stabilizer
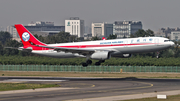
26,37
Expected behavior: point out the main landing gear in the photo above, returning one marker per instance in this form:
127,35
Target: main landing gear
86,63
99,62
90,62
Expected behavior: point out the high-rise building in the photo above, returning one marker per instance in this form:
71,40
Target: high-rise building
102,29
75,26
126,28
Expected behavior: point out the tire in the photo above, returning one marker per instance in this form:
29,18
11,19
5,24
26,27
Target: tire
97,63
89,62
84,64
102,61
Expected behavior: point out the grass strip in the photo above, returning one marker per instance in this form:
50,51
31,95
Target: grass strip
20,86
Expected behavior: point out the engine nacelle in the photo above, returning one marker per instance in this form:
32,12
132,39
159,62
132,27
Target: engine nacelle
122,55
126,55
101,55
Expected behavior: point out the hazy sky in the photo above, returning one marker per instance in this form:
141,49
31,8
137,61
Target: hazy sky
154,14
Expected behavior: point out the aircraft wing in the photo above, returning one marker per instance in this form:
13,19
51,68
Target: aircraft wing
73,50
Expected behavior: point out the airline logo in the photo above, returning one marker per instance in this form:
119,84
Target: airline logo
25,36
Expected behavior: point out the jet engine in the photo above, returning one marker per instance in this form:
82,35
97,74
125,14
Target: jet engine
122,55
101,55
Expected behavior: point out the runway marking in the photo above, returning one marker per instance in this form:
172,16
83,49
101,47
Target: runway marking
150,85
83,84
93,86
120,89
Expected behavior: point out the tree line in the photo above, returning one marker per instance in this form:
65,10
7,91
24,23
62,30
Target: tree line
133,61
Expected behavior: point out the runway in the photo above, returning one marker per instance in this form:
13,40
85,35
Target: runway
88,88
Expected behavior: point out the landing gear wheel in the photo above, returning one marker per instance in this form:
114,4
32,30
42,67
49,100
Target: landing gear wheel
84,64
97,63
101,61
89,62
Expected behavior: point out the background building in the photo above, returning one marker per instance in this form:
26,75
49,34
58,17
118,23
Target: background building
108,29
175,35
87,30
12,31
75,26
44,28
39,28
87,36
102,29
126,28
1,28
166,32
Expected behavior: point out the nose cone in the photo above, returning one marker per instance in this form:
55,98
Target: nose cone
172,44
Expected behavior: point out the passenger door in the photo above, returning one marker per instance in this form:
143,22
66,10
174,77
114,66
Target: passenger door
156,41
125,43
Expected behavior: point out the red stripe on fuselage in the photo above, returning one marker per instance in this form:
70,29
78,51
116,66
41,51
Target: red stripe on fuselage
91,46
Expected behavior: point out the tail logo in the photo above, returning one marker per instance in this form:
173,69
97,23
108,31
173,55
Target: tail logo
25,36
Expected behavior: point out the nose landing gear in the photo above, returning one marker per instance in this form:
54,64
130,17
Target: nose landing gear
85,64
157,55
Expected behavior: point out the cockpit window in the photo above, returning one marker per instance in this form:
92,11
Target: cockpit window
167,40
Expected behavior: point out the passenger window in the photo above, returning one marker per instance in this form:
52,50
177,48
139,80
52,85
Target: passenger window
131,41
150,39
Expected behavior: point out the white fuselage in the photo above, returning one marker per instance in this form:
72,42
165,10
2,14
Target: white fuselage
119,46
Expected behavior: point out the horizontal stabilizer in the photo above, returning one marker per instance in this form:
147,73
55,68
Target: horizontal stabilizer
29,49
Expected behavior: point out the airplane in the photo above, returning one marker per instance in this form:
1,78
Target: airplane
99,50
